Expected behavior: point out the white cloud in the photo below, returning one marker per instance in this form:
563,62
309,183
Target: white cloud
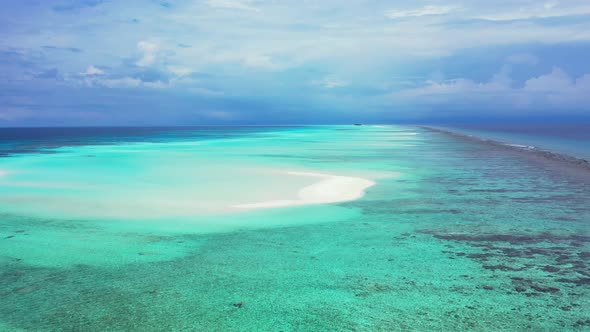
502,78
260,61
179,70
424,11
91,71
452,86
535,9
148,51
206,92
560,89
549,5
556,81
156,85
500,82
310,37
556,88
298,33
331,83
233,4
125,82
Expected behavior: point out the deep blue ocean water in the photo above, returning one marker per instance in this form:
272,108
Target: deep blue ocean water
24,140
569,139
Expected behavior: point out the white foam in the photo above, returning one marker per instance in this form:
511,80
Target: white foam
530,147
401,133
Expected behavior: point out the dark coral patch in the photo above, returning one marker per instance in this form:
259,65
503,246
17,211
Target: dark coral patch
545,289
578,281
557,255
502,267
549,268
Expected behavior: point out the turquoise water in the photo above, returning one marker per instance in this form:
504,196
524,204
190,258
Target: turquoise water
115,232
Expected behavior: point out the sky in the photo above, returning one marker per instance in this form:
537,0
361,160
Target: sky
193,62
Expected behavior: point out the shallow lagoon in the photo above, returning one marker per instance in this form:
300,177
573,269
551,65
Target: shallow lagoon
455,235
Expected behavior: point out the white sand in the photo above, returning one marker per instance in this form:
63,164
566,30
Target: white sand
330,189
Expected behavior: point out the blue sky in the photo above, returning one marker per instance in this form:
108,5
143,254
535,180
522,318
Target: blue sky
190,62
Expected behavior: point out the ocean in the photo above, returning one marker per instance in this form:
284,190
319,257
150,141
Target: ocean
568,139
237,228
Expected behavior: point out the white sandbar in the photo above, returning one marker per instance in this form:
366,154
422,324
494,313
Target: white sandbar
330,189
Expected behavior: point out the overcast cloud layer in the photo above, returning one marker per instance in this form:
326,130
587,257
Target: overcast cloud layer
98,62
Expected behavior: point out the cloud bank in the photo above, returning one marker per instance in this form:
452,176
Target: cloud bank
261,61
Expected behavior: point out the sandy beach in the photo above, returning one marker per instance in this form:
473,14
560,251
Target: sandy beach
330,189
